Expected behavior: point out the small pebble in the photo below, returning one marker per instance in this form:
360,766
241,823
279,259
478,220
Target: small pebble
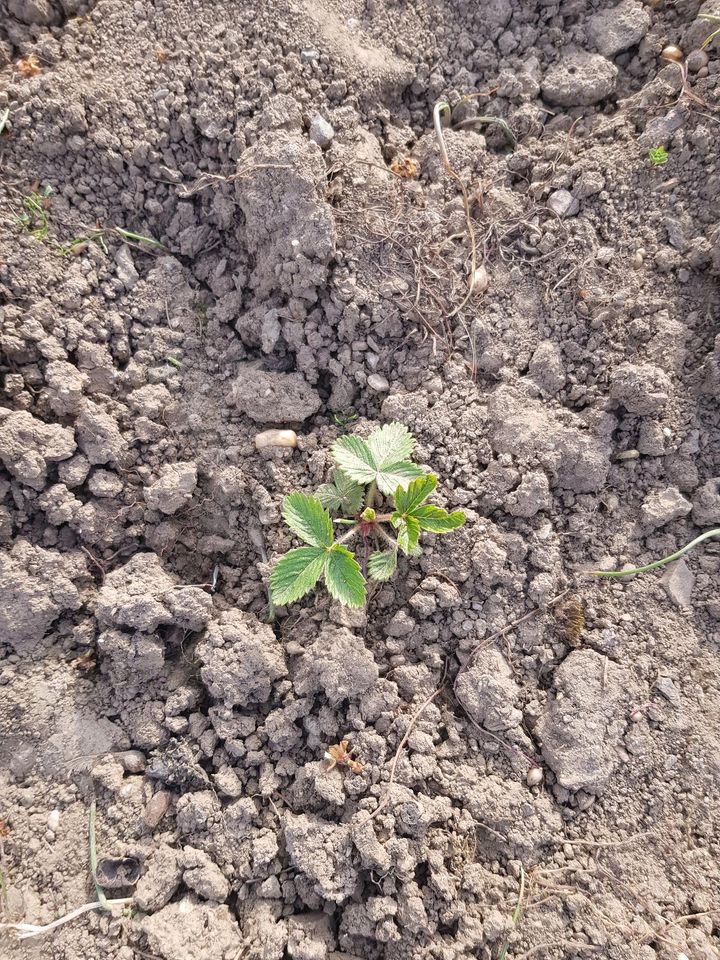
53,820
133,761
321,132
481,279
534,777
275,438
378,383
672,53
156,809
563,203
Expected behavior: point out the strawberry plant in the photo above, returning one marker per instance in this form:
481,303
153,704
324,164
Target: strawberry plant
381,496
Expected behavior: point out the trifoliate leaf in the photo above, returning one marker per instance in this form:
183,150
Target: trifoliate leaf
296,573
437,520
390,444
354,458
406,501
308,519
397,475
343,577
328,496
408,530
381,566
351,493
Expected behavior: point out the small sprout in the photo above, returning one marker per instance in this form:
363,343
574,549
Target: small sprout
710,18
174,362
343,420
29,66
378,491
34,216
138,238
339,755
658,156
405,167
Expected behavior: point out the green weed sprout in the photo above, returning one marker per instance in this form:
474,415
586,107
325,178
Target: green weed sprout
658,156
34,216
368,475
710,18
658,563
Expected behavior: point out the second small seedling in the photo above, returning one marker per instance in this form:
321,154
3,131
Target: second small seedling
658,156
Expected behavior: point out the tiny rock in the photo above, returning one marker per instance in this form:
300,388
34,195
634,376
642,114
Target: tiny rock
275,438
563,203
53,820
321,132
534,777
678,582
481,280
378,383
156,809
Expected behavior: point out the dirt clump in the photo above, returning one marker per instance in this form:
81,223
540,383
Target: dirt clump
218,221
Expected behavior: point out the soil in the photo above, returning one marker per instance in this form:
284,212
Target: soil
536,777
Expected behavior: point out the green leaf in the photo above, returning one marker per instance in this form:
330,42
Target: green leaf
354,458
342,495
437,520
296,573
397,475
391,444
408,530
381,566
308,519
343,577
406,501
351,492
328,496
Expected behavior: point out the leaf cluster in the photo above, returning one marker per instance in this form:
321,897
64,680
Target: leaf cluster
376,472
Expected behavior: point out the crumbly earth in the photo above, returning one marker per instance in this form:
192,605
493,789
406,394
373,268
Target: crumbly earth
569,406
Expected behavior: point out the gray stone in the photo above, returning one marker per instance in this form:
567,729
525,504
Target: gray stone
563,203
378,383
187,930
706,503
664,506
641,388
173,489
582,724
241,659
487,692
580,79
618,28
274,397
678,582
321,131
203,876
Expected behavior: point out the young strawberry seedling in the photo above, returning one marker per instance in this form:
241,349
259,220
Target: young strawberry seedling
381,496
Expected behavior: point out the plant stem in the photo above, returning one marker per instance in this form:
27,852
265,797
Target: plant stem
657,563
102,899
370,495
349,535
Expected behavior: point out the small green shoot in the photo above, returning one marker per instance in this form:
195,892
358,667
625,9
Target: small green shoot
711,18
174,362
78,244
34,216
658,156
517,912
658,563
138,238
92,843
369,474
344,420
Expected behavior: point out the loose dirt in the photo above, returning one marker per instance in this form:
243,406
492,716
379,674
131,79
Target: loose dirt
538,751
